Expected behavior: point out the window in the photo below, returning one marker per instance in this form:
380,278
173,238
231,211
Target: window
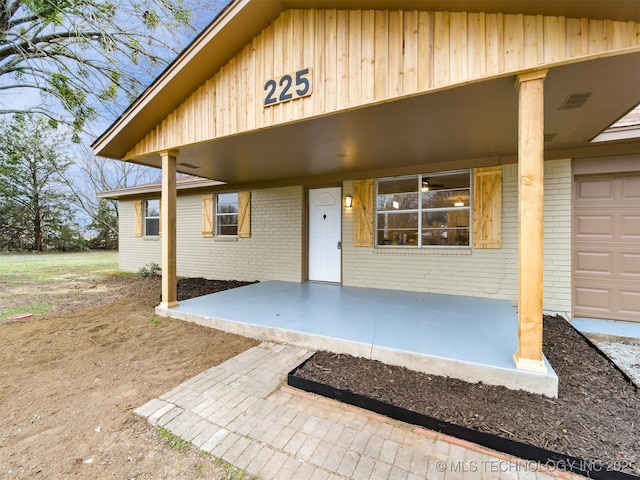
227,214
424,210
152,217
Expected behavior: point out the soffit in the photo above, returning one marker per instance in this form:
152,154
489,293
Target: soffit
476,121
244,19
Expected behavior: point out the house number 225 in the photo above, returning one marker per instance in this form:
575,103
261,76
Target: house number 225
288,87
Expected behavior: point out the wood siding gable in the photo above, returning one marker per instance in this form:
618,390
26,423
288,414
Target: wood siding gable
363,56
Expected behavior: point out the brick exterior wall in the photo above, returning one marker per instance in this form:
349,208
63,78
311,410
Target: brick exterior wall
273,252
491,273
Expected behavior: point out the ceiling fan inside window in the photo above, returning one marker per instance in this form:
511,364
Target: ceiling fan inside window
427,185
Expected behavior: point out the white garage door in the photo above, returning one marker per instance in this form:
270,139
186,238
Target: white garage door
606,247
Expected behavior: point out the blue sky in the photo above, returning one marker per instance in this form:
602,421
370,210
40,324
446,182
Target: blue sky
204,11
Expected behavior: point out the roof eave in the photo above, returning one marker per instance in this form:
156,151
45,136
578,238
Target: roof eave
232,28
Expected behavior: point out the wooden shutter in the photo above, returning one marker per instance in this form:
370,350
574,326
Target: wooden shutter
207,215
363,213
244,214
487,207
137,218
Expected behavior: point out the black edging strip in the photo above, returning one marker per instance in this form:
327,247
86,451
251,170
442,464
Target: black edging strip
606,357
549,458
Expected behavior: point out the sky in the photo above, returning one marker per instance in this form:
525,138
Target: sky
204,11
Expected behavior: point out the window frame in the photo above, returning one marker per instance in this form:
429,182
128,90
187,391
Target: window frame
218,215
420,211
148,218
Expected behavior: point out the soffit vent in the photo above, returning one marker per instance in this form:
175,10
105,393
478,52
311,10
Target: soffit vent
188,165
576,100
548,137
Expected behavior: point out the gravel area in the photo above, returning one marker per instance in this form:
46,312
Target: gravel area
625,355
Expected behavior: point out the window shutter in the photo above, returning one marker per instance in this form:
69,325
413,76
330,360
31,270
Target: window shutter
137,218
487,207
244,214
363,213
207,215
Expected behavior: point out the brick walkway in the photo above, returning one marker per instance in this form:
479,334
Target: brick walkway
242,412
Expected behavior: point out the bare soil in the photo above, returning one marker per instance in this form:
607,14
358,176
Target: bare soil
596,416
69,382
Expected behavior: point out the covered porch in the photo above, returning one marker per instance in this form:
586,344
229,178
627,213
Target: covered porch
469,338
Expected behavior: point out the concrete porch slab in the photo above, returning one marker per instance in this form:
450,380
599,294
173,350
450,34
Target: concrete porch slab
469,338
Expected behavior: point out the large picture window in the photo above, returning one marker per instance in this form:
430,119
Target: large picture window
431,210
227,214
152,217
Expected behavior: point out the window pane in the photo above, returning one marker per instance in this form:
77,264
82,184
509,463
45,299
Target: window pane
227,219
445,236
398,194
152,226
227,229
397,228
227,203
445,198
152,208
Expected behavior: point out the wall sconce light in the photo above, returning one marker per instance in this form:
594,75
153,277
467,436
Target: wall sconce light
348,201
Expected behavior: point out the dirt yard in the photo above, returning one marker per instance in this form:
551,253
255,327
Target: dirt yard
70,379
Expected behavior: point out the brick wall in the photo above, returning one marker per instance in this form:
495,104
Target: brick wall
273,252
491,273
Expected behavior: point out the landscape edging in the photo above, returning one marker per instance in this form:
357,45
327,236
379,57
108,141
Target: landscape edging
542,456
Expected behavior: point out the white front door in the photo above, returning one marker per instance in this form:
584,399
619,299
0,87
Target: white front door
325,234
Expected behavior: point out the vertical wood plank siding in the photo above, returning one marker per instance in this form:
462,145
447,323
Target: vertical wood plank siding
363,56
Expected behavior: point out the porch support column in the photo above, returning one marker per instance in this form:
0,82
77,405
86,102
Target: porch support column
168,219
530,220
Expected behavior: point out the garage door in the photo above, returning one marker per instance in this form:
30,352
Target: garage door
606,247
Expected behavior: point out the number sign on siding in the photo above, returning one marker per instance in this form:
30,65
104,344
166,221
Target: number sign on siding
288,87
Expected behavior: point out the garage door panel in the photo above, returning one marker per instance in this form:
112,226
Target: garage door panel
630,266
631,188
606,243
596,189
593,298
594,263
630,303
594,226
630,227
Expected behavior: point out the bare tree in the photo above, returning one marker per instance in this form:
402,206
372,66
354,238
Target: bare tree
81,55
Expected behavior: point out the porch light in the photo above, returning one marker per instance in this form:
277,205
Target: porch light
425,187
459,203
348,201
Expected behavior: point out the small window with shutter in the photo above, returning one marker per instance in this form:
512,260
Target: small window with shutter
226,215
152,218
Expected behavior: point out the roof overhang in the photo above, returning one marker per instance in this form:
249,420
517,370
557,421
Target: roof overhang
150,189
244,19
474,123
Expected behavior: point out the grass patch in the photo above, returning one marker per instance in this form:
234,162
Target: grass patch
174,441
39,267
154,320
35,308
232,473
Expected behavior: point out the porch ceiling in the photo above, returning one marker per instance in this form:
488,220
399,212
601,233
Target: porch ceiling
475,121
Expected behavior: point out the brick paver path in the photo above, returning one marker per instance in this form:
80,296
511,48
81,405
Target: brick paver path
242,412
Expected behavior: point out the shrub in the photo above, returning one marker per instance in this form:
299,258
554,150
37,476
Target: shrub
150,270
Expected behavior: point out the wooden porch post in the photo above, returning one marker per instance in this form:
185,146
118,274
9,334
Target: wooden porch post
168,219
530,220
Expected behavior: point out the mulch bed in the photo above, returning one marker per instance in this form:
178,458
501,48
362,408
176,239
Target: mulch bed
197,287
596,416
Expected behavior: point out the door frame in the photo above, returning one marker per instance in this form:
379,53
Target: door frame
305,233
